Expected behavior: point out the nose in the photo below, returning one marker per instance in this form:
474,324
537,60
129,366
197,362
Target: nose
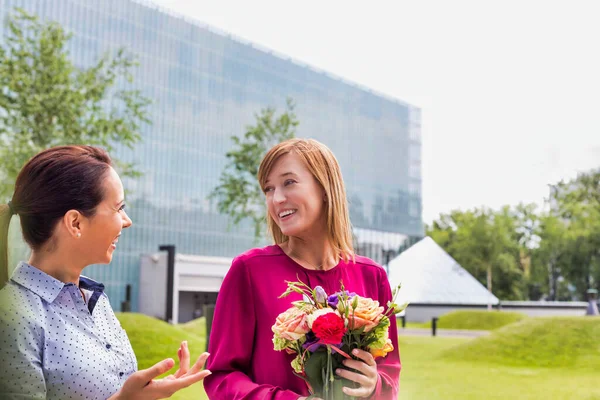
278,196
126,220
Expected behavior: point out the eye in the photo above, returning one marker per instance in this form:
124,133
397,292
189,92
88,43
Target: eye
267,189
122,207
289,182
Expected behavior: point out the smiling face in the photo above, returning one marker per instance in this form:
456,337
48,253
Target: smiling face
295,200
100,233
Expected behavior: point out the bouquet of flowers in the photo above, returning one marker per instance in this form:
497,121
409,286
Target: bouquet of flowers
322,330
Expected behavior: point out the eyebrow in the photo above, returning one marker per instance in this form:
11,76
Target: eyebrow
282,175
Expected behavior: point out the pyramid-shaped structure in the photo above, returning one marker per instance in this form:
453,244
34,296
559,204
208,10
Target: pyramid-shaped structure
429,275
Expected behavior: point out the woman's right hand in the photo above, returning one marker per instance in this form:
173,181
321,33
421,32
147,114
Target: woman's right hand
142,385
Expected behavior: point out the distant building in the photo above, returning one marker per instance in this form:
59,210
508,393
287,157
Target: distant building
434,283
206,85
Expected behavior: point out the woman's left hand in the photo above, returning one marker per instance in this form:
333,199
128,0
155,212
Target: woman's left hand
366,376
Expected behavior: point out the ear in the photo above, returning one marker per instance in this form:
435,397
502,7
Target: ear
72,221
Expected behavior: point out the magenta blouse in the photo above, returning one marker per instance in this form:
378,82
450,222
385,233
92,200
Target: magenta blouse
242,360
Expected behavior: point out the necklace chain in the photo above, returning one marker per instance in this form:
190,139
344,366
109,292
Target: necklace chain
317,267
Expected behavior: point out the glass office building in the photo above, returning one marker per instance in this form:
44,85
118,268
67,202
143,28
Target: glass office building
206,86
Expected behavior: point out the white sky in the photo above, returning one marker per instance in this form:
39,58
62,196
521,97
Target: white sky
509,90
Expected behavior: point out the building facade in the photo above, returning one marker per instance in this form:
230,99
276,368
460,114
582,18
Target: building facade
206,86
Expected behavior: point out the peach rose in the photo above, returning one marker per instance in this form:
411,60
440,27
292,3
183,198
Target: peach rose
383,351
291,324
367,313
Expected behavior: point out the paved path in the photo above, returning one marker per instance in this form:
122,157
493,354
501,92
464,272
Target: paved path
442,332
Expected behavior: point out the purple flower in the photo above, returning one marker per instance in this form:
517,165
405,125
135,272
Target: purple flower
311,342
320,294
333,299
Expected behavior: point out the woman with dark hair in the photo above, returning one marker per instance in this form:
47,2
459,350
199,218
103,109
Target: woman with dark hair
60,337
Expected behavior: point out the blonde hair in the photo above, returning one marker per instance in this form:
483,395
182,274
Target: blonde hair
323,165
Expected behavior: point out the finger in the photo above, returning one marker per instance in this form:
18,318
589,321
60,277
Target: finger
199,364
365,356
157,369
184,359
362,367
361,379
184,381
359,392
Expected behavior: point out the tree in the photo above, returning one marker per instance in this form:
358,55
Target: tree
576,204
46,100
238,193
486,244
523,253
550,257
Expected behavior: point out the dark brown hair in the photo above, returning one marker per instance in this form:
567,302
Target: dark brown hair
53,182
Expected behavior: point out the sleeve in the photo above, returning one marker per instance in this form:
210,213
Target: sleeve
231,343
389,366
21,347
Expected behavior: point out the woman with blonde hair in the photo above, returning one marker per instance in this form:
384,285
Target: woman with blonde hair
60,336
307,216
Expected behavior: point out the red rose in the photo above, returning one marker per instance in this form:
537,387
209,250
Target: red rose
329,328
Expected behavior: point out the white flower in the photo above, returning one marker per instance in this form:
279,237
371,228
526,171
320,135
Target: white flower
312,317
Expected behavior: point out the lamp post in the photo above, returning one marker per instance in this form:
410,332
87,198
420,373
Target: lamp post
170,249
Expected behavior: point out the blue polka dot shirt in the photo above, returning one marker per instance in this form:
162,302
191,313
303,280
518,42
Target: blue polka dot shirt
55,345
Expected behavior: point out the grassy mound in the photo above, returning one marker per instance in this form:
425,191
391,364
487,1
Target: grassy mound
565,342
426,375
472,320
478,320
154,340
195,327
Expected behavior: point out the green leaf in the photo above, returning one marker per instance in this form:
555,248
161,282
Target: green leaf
314,368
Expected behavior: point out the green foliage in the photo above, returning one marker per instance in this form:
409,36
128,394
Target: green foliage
314,369
478,320
486,242
47,100
577,250
531,254
558,342
238,194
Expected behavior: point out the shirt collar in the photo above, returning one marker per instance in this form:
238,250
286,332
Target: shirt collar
90,284
44,285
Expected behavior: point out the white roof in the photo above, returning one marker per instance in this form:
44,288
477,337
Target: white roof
430,276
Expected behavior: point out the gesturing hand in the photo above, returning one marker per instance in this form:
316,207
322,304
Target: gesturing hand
366,375
142,385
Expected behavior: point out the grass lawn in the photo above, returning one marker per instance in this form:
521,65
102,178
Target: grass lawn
444,368
555,342
428,374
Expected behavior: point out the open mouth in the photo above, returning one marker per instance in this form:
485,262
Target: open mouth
286,214
114,242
